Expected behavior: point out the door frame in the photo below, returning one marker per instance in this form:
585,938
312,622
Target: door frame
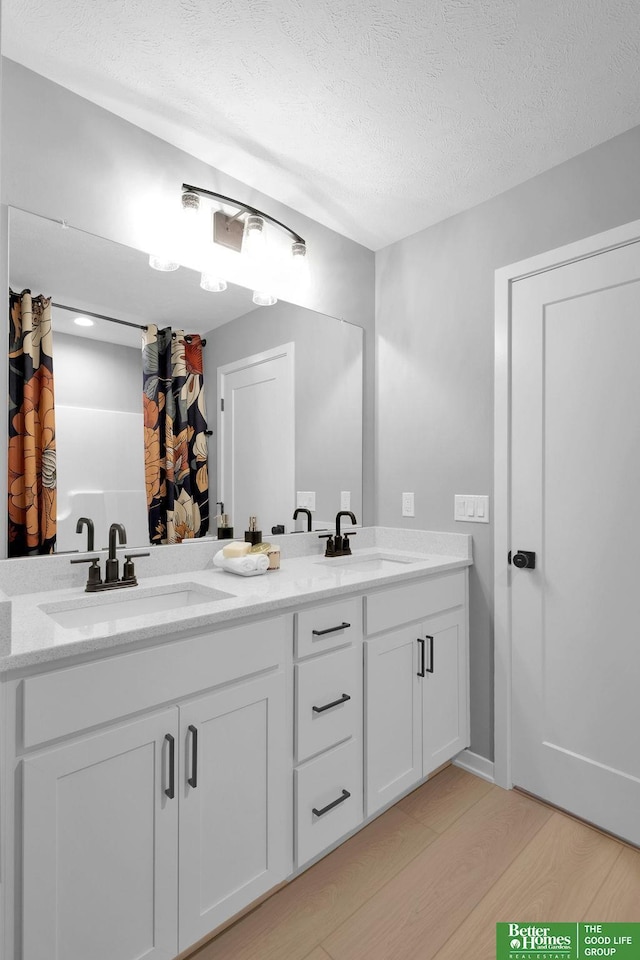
286,350
504,278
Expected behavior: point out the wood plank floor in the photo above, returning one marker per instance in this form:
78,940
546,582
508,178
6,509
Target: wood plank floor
430,878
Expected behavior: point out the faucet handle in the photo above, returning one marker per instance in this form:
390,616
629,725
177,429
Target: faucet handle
128,570
331,549
94,579
346,547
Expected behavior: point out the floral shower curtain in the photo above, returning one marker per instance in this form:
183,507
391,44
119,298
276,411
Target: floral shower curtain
175,442
32,434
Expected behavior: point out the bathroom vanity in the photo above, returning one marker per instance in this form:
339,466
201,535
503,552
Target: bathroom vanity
163,770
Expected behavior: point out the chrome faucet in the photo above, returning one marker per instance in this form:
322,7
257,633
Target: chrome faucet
300,510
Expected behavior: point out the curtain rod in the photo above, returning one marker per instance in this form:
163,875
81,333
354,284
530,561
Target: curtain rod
102,316
98,316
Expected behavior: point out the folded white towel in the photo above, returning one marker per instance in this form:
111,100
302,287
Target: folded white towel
249,566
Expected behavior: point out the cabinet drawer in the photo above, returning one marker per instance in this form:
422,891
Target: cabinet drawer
331,625
414,601
319,783
319,684
71,699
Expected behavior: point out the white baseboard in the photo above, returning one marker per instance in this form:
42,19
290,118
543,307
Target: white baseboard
475,764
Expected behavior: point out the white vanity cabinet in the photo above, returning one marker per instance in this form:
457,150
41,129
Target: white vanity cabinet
100,846
143,837
328,726
235,832
416,682
161,791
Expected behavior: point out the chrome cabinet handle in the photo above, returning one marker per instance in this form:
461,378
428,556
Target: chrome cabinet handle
171,791
330,806
322,633
193,779
334,703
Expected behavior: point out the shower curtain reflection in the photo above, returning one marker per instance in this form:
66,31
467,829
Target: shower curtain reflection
32,435
175,441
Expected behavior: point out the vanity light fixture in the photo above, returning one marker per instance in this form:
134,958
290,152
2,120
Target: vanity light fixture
300,263
246,232
254,241
263,299
212,283
158,263
84,321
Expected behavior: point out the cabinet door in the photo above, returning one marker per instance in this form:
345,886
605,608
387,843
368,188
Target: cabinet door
235,825
100,846
445,694
393,716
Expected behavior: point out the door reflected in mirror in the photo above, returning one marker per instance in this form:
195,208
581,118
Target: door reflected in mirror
282,390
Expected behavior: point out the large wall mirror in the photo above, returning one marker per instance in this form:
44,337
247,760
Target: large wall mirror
290,381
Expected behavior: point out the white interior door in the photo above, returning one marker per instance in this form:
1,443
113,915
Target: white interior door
575,475
256,431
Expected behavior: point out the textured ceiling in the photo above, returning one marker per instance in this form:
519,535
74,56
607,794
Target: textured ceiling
374,117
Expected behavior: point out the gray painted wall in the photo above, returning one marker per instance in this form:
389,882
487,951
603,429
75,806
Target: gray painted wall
64,157
97,375
328,390
435,355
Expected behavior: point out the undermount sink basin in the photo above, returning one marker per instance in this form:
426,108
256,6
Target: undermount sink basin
372,562
101,609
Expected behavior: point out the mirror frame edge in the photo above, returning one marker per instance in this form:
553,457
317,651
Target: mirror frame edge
4,376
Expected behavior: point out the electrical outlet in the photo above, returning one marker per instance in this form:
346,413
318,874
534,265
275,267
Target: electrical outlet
408,505
306,498
345,499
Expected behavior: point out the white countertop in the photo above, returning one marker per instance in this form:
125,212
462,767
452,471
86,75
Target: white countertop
36,638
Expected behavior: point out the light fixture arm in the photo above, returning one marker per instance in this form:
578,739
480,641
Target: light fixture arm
243,208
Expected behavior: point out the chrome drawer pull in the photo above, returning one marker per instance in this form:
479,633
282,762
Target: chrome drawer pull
336,703
321,633
330,806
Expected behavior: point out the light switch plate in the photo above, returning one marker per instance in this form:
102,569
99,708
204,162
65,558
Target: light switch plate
345,499
471,508
306,498
408,505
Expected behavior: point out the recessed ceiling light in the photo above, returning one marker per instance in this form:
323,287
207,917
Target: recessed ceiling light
84,321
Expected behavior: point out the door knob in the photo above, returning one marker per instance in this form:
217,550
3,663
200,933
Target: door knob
524,560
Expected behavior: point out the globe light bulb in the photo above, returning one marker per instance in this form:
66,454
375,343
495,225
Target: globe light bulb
254,241
263,299
159,263
212,283
300,264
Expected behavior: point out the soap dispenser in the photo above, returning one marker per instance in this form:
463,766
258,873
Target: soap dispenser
253,535
225,530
